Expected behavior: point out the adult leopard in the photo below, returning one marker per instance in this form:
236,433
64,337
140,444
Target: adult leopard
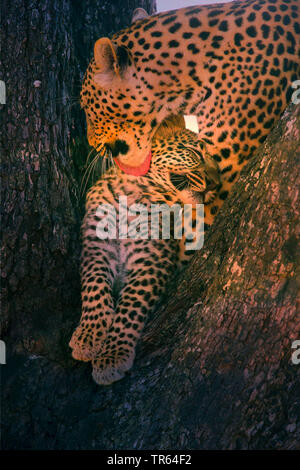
232,65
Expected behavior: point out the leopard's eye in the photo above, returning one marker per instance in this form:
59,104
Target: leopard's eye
210,185
180,182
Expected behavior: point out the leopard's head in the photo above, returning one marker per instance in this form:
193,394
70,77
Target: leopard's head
121,118
181,163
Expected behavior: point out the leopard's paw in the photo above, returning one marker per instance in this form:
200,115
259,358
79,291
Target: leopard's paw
86,343
111,367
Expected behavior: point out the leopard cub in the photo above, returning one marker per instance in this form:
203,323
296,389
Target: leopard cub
123,277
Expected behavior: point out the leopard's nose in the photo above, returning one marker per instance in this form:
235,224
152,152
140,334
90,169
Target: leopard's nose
117,147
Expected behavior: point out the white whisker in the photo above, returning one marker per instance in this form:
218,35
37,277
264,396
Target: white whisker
87,175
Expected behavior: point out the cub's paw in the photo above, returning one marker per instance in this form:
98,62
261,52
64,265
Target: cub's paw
86,342
108,367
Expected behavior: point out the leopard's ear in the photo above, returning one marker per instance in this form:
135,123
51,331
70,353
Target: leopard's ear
111,61
139,14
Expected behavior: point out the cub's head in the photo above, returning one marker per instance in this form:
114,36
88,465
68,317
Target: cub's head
181,164
119,110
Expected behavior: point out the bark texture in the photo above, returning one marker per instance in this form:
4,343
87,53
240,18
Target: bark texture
46,47
39,216
214,368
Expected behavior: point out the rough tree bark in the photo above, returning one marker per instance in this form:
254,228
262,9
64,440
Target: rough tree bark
46,47
214,368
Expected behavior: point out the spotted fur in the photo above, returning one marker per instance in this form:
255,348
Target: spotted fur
122,279
230,64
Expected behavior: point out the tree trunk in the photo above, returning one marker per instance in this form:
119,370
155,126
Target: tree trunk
46,47
214,369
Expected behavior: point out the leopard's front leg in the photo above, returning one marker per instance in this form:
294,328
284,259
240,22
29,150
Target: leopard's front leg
147,273
98,271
